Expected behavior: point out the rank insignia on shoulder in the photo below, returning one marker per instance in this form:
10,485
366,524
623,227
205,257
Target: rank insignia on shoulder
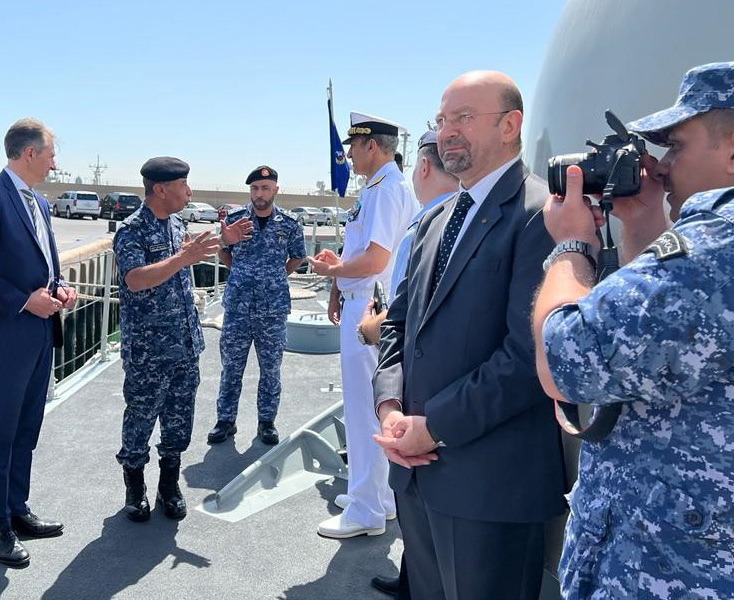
669,245
289,214
375,182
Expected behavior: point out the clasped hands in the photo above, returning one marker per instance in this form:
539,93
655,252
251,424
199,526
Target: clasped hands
42,304
405,439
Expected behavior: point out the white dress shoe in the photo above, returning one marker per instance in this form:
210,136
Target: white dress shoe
344,500
338,527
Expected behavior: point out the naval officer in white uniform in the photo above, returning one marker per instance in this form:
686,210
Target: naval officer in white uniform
375,226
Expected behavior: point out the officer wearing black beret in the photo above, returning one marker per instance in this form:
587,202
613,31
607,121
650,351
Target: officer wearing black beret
256,304
160,331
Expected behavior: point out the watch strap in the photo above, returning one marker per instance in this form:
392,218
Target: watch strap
576,246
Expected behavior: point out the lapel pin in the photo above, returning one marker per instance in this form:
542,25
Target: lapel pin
484,220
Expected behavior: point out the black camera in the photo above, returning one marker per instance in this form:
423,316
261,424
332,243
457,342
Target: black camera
616,162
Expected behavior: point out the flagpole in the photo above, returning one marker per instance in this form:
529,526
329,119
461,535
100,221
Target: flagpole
330,89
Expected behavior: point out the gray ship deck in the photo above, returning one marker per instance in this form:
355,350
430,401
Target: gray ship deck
275,553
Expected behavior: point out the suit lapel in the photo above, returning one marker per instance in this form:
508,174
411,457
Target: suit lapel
486,218
18,204
429,253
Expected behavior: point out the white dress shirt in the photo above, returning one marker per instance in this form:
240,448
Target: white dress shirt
479,192
42,232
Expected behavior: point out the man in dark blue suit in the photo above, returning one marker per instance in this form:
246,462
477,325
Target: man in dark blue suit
477,465
31,296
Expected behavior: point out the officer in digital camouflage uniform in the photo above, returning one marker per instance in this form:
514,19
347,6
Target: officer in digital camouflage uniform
160,331
256,305
652,513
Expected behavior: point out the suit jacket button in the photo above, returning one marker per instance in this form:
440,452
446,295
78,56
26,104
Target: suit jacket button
418,353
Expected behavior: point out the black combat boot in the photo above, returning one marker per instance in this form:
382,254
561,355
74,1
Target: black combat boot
169,494
267,432
137,507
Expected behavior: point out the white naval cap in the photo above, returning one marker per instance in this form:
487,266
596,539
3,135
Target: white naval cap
362,124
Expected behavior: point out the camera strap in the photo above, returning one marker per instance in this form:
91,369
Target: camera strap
604,416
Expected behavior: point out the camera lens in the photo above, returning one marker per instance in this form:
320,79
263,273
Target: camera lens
557,166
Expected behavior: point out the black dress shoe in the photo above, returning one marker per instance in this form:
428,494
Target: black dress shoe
222,430
34,527
267,433
12,552
387,585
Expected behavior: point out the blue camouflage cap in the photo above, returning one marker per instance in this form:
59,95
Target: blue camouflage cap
703,88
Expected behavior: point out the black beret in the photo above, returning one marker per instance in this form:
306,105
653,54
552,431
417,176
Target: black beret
262,172
164,168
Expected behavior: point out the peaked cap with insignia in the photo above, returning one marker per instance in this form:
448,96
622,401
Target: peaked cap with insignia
367,125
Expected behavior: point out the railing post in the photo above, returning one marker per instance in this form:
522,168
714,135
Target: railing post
106,306
51,391
216,276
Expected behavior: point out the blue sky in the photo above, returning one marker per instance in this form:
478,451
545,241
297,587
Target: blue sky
231,85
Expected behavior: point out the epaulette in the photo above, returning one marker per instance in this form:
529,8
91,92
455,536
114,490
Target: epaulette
288,214
133,219
375,182
238,214
669,245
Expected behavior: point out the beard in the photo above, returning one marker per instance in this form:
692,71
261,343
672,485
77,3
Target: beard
262,203
457,161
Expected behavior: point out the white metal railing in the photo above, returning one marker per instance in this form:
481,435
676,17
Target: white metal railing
89,335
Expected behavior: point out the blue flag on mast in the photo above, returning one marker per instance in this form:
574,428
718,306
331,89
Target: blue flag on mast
339,164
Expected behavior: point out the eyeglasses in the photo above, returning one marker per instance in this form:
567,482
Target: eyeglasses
463,119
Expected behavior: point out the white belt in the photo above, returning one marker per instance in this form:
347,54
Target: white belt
357,294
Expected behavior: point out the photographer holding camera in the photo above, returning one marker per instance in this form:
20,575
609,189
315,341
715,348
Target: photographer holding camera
652,513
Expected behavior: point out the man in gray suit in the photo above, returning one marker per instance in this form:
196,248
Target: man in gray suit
476,453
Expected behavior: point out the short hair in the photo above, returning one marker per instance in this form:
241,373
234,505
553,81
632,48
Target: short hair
430,151
148,186
23,134
511,99
719,123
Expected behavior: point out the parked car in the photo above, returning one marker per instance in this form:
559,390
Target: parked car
199,211
118,205
77,204
329,212
308,215
225,209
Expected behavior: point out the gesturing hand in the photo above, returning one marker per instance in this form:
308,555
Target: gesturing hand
202,247
238,231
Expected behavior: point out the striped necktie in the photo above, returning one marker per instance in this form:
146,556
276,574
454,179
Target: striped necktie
31,200
453,227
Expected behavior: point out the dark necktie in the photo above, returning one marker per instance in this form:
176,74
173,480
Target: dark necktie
31,200
453,227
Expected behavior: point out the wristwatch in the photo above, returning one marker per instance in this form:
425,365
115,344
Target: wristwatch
434,436
583,248
360,336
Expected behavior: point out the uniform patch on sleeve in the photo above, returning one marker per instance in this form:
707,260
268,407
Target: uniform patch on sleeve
669,245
